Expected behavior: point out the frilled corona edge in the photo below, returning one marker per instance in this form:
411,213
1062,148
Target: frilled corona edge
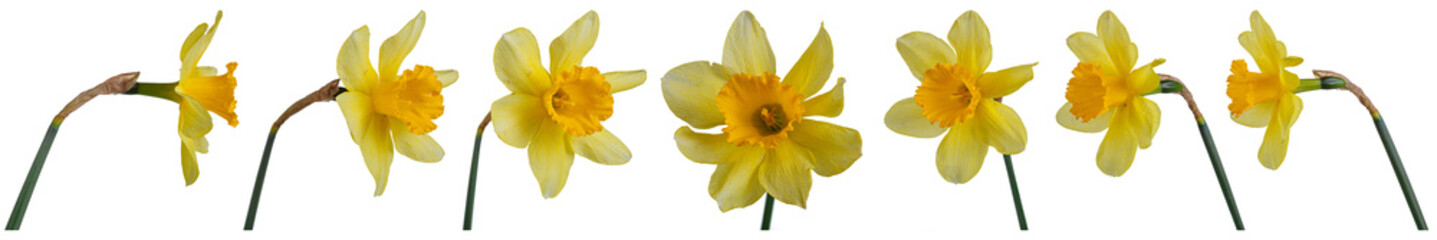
118,84
324,94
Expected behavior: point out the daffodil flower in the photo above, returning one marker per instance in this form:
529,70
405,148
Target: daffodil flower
558,112
1106,93
956,95
767,144
1265,99
389,110
201,90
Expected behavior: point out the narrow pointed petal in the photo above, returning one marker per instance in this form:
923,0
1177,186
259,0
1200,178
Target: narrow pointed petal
358,113
378,150
194,125
550,157
1002,126
746,49
813,68
691,91
713,148
517,117
188,165
784,173
516,61
1274,143
829,104
446,77
353,64
1144,79
568,50
735,184
602,147
961,153
194,49
834,147
620,81
1003,82
394,49
1273,50
1115,39
969,36
922,51
1070,121
1145,118
906,117
1090,48
418,147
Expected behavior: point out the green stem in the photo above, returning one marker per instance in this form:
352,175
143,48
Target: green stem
159,90
1401,172
1221,174
17,215
474,174
259,180
767,212
1017,201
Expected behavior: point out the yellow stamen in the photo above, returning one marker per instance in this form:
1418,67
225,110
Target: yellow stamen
1092,93
580,100
413,98
216,93
949,94
759,110
1249,88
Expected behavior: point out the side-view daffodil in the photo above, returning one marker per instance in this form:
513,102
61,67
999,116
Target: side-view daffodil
1265,99
557,112
1106,93
201,90
388,110
956,95
766,145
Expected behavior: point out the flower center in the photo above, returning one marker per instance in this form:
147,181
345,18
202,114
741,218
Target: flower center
216,93
580,100
759,110
1249,88
949,94
413,98
1093,93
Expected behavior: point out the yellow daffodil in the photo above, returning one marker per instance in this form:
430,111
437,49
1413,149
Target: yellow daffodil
389,110
1106,93
957,96
1265,99
201,90
557,112
766,145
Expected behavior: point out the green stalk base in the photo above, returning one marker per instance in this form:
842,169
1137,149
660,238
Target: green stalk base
17,215
1017,200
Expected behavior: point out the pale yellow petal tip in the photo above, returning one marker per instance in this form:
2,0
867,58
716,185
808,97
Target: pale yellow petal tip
1271,164
378,190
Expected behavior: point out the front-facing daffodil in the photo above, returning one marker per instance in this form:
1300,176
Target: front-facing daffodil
557,112
1265,99
957,96
389,110
1106,93
767,145
201,90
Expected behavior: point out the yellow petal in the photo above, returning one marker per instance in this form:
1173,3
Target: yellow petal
691,91
394,49
620,81
1070,121
1257,116
190,41
378,150
353,64
813,68
195,47
517,117
1273,51
1274,143
516,61
1089,48
1249,43
746,49
188,165
713,148
834,147
969,36
961,153
906,117
194,124
735,184
602,147
784,173
1002,127
1006,81
1144,118
568,50
550,157
829,104
922,51
418,147
1116,152
358,113
1143,80
1115,39
447,76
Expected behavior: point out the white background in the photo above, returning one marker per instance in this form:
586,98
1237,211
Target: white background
114,172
